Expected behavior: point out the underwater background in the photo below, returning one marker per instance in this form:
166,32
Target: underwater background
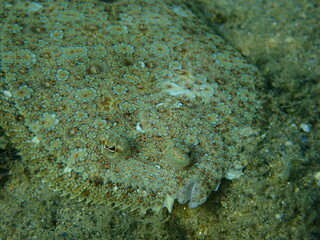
278,197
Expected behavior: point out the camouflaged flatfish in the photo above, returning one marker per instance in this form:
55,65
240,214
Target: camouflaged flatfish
132,103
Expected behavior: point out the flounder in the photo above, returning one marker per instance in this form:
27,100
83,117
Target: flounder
132,103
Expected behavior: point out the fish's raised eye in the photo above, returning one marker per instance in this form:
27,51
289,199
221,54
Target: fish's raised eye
117,147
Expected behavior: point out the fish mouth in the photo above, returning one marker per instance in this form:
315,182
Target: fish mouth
194,193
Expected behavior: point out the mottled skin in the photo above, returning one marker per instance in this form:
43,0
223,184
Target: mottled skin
132,104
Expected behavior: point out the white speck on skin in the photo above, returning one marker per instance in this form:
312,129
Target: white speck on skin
138,127
158,166
7,93
67,170
35,140
159,104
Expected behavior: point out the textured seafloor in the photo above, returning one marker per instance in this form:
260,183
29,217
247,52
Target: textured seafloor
277,198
